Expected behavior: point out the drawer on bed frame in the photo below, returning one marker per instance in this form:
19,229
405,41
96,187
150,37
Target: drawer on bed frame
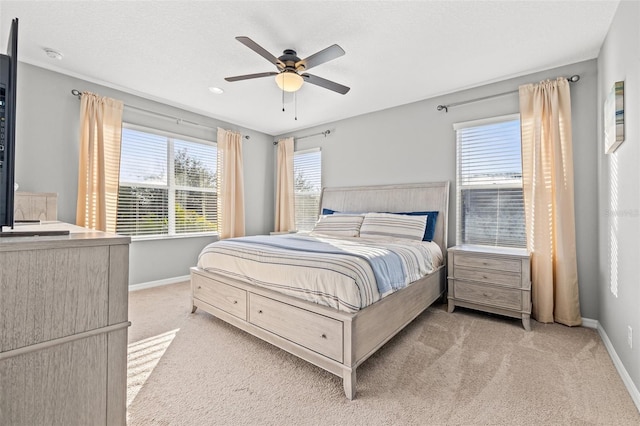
313,331
222,296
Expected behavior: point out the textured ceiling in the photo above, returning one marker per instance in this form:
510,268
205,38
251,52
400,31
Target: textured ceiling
396,51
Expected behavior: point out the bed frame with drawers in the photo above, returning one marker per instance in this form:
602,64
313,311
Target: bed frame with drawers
333,340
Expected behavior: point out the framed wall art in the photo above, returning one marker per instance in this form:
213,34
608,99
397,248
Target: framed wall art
614,118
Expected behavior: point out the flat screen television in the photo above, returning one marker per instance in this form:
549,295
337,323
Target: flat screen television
8,87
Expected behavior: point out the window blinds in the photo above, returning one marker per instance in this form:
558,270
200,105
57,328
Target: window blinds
490,205
307,171
167,185
194,172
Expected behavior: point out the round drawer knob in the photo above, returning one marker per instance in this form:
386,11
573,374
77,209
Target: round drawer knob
324,336
235,302
260,311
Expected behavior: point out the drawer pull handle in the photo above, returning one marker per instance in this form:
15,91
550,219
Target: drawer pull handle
260,311
324,336
484,277
199,287
485,294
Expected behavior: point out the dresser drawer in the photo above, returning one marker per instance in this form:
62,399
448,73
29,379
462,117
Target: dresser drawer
313,331
498,263
486,295
488,276
225,297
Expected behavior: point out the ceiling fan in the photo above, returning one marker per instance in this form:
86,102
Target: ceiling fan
291,69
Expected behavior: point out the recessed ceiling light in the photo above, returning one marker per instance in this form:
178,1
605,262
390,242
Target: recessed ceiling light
216,90
53,54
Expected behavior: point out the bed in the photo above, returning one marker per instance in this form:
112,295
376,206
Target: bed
335,338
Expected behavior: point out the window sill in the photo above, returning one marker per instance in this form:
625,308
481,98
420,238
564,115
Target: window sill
173,237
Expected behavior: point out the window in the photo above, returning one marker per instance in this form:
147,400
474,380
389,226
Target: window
167,184
307,166
490,205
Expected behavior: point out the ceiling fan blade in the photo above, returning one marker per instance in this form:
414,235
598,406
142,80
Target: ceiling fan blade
261,51
249,76
325,55
327,84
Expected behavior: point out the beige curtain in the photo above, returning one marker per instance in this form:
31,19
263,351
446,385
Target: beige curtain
230,185
547,174
99,165
285,206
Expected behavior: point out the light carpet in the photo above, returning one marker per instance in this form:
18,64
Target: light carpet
463,368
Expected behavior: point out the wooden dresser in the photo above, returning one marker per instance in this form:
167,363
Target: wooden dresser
35,206
63,327
490,279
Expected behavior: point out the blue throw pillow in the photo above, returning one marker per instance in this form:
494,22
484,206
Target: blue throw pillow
429,230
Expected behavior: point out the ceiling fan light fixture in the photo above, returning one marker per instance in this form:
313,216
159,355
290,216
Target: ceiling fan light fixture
289,81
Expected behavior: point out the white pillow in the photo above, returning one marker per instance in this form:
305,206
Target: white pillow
339,225
382,225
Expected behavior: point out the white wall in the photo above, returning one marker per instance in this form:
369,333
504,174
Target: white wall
416,143
619,192
47,140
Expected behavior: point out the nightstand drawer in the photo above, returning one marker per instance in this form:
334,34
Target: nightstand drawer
486,295
498,263
488,276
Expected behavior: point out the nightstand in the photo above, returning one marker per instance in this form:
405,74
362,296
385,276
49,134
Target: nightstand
490,279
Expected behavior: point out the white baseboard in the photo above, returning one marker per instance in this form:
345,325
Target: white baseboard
624,375
590,323
150,284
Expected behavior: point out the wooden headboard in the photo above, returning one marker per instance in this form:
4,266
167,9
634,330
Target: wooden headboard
429,196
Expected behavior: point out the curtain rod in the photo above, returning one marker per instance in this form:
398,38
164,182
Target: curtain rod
325,133
78,94
574,78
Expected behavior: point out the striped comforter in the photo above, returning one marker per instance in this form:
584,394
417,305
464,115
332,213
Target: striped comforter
346,273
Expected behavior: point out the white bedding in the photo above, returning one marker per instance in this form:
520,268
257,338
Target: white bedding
342,278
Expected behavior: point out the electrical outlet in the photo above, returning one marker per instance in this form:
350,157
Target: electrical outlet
630,336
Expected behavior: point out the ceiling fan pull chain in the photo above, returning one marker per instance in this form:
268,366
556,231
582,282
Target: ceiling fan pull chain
295,102
283,100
